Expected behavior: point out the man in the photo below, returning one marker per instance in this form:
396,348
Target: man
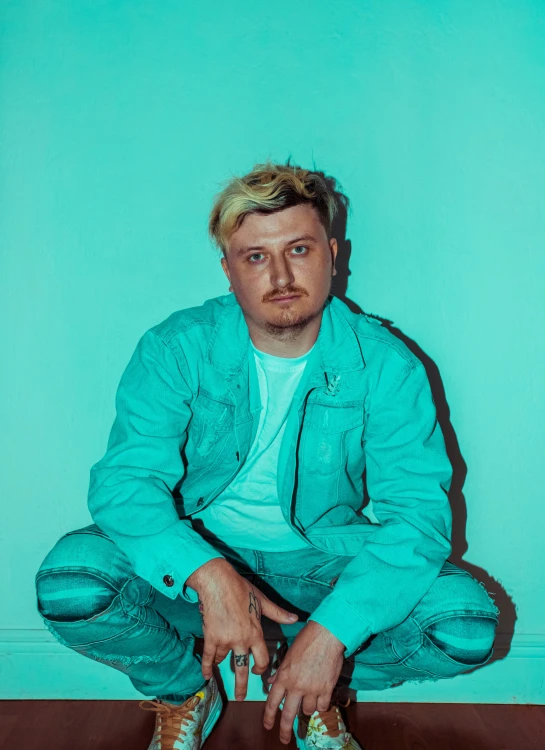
247,434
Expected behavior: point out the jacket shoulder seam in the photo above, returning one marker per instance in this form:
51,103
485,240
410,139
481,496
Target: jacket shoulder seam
387,338
403,351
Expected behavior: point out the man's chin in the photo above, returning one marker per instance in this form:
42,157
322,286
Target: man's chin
289,320
281,322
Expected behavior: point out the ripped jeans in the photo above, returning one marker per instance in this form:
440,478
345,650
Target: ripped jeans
91,600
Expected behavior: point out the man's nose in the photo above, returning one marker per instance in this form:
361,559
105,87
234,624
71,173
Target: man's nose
281,273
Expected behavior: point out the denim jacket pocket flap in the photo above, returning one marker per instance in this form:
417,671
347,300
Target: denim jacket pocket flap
332,418
217,413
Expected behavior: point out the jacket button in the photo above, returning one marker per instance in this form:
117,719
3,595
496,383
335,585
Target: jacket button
168,580
200,501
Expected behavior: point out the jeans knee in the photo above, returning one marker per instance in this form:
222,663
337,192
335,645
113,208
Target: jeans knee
70,596
467,639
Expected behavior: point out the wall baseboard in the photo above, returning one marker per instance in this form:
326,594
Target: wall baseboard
34,666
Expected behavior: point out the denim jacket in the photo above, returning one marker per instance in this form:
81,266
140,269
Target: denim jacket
362,470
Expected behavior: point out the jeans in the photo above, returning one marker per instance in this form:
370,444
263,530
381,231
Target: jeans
92,602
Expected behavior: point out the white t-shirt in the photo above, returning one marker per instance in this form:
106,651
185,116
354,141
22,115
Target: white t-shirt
247,513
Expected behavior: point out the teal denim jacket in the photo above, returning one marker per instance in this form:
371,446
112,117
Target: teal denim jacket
187,410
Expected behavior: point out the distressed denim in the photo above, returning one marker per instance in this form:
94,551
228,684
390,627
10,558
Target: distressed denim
90,598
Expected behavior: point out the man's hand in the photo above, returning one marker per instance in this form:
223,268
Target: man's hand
308,673
231,610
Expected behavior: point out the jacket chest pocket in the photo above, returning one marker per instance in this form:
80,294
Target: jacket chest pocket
329,430
211,430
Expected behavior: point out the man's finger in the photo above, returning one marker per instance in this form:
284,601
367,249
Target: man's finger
309,705
272,611
221,653
276,694
261,656
208,655
289,712
241,658
323,702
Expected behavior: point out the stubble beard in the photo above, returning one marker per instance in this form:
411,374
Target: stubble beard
290,325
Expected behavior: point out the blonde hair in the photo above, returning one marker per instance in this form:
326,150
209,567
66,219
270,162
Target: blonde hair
268,188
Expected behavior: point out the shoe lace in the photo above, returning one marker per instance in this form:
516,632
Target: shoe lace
332,718
172,718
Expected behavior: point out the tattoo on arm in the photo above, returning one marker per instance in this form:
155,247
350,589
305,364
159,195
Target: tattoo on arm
254,605
201,612
241,660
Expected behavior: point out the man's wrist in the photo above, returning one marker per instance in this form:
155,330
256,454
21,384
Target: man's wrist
326,633
203,573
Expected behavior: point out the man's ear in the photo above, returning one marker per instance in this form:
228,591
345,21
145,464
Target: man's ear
225,267
334,248
226,270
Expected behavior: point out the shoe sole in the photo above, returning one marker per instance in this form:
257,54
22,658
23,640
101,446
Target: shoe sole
213,716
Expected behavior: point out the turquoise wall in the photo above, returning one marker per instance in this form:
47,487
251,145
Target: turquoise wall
119,121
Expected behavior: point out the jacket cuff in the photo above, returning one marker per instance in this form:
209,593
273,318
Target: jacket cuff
346,624
187,553
189,594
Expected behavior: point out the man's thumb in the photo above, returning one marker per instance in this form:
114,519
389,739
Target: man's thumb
276,613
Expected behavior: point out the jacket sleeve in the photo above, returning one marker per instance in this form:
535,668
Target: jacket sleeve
130,490
408,478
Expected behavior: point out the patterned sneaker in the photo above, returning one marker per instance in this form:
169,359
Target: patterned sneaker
324,729
187,726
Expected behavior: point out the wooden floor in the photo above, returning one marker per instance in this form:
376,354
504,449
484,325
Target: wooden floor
123,725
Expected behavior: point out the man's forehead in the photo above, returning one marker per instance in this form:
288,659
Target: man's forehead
276,228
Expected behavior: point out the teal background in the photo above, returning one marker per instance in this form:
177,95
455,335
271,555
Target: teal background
118,123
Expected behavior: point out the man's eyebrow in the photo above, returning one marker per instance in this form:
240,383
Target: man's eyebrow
253,248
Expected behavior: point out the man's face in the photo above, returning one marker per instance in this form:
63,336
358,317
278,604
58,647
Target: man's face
279,254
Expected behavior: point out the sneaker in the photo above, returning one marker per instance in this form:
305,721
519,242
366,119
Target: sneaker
324,729
185,726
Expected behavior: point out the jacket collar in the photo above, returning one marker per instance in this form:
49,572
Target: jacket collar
338,347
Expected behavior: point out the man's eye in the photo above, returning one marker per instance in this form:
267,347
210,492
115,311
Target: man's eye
297,247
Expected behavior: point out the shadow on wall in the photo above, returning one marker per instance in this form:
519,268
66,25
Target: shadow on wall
506,625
